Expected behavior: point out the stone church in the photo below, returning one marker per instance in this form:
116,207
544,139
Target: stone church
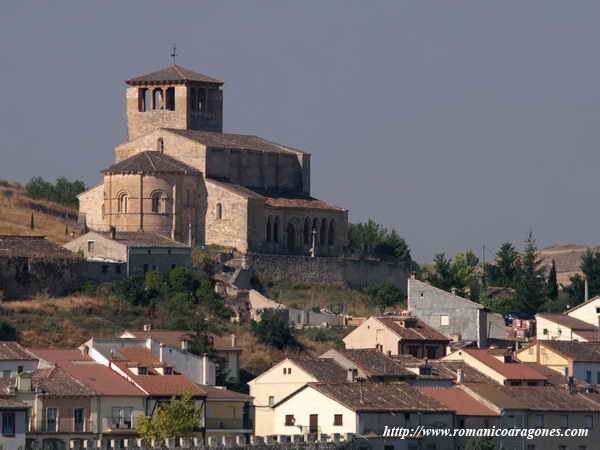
178,174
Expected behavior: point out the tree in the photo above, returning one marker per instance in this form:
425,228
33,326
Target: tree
506,267
274,330
552,283
590,266
442,276
371,239
384,295
459,273
183,280
173,419
531,285
575,291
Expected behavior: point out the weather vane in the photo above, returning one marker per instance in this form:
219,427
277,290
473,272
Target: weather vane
174,54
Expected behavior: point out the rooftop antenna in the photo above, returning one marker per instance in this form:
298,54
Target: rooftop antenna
174,54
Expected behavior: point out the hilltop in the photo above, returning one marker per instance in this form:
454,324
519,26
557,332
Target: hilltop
50,219
567,258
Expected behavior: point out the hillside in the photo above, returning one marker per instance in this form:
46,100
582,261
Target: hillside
567,258
50,219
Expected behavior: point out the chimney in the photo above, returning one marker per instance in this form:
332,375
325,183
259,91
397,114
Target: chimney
190,235
233,340
113,232
350,377
571,385
24,382
459,376
147,327
185,345
161,353
205,368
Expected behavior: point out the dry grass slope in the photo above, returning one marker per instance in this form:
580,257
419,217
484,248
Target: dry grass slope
16,210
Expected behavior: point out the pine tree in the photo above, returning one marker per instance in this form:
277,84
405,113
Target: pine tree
531,285
590,266
506,267
552,283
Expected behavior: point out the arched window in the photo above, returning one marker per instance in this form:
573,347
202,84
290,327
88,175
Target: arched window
307,231
291,237
170,99
157,99
143,99
160,145
219,211
269,229
122,203
323,234
331,233
156,202
276,230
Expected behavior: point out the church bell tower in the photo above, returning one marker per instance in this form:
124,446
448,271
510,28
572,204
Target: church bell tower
174,97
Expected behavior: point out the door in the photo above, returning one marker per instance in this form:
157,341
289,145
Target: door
313,424
78,417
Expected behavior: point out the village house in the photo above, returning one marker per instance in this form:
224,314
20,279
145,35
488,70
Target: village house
563,327
580,360
177,350
588,311
224,412
459,318
179,174
364,408
399,335
30,264
498,365
117,255
15,359
13,415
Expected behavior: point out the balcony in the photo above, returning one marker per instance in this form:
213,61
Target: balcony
110,425
216,423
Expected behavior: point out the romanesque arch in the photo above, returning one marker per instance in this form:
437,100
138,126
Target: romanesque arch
157,98
269,229
157,202
122,200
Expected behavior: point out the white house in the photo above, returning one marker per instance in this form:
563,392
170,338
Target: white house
563,327
13,415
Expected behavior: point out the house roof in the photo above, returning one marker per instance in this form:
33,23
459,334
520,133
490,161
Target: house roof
510,370
554,377
94,375
11,403
378,396
33,247
143,239
458,400
440,293
374,362
13,351
215,393
323,369
58,382
173,74
174,338
576,307
537,398
568,321
420,332
575,351
213,139
151,162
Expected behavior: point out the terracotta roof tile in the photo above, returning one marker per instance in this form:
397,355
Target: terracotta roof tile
510,370
57,381
323,369
419,331
173,74
379,396
33,247
151,162
375,363
458,400
144,239
13,351
568,321
576,351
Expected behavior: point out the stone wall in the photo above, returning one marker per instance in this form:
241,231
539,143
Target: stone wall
326,270
226,218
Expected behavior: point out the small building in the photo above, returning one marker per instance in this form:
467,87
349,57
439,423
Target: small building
580,360
368,364
563,327
15,359
117,254
448,313
364,408
399,335
587,311
30,264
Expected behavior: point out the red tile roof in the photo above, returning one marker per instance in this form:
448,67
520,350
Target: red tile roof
458,400
568,321
172,74
420,331
173,338
511,370
13,351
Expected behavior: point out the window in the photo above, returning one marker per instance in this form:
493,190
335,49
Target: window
52,420
91,246
142,371
545,331
588,422
289,420
157,99
444,321
170,99
588,376
79,420
538,421
219,212
122,203
160,145
271,400
156,202
413,350
8,424
6,373
564,421
121,417
597,310
338,420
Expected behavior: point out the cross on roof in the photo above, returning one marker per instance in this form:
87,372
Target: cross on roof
174,54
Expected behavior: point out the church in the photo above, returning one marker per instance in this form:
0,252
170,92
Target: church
179,175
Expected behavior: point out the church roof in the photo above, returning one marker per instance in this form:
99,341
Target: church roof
172,74
237,141
151,162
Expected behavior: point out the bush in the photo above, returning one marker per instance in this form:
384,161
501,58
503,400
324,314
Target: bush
89,288
275,331
63,191
7,332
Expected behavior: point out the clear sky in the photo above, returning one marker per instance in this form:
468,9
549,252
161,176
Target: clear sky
459,123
